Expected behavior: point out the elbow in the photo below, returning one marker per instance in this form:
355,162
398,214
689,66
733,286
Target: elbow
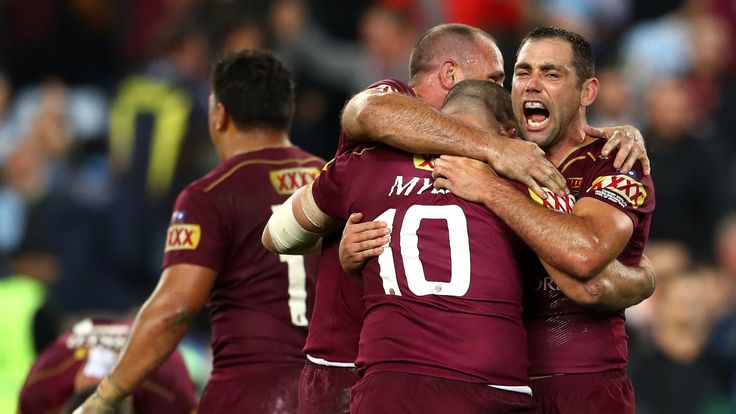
358,115
587,257
582,263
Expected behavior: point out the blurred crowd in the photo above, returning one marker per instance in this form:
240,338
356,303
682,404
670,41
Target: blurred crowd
103,120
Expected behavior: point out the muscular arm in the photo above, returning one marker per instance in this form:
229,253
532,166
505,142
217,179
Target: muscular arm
410,124
163,320
617,287
580,244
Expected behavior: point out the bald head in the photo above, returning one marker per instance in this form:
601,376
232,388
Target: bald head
483,104
443,42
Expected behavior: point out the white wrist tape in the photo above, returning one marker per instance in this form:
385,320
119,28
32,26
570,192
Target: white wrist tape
288,236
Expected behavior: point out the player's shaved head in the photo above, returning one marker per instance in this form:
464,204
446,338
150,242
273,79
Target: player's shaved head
486,101
446,41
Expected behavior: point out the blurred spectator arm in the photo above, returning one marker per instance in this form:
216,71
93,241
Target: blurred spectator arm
305,45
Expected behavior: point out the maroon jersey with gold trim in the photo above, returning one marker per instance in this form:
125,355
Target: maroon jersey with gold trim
259,303
444,299
50,382
564,337
334,328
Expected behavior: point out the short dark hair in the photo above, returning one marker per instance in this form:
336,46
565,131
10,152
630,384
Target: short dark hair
256,89
442,39
582,51
489,96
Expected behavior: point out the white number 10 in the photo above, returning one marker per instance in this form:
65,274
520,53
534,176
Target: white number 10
457,228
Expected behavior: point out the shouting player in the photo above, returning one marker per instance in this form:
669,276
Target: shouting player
578,355
444,56
257,301
69,368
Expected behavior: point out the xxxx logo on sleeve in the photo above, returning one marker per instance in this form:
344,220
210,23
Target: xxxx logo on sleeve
621,189
288,180
183,237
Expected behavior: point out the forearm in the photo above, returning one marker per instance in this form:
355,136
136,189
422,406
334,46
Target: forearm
409,124
616,288
566,241
155,334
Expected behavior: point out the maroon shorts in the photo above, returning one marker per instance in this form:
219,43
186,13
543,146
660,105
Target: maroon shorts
325,390
274,392
398,392
608,392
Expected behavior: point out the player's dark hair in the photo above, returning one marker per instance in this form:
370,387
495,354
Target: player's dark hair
256,89
582,51
489,96
444,40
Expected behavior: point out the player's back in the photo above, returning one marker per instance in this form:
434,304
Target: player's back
258,305
564,337
51,380
444,298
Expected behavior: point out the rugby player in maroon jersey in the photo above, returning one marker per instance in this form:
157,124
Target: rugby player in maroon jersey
578,354
442,330
445,55
79,359
257,301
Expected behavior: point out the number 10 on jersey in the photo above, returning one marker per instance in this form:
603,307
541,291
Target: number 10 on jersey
457,228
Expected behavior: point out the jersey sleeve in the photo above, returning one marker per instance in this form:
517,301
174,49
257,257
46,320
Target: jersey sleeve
195,234
347,144
328,189
631,193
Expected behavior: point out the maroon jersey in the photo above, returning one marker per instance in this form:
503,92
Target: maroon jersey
564,337
50,382
334,329
258,305
444,299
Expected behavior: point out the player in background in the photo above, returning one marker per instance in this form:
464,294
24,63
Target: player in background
578,355
257,301
445,55
441,291
73,365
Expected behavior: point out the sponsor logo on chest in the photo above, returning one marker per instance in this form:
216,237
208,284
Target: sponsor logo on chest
555,202
288,180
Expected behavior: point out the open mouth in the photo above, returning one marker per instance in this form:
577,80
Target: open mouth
536,115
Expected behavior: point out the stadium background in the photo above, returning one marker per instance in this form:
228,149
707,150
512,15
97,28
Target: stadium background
103,121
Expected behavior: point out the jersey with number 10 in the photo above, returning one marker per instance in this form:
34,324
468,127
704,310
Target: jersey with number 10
258,305
444,298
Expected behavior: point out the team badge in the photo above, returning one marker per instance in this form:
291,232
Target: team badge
621,189
424,161
183,237
555,202
288,180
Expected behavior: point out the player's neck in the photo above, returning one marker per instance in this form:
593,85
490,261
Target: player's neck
574,136
240,142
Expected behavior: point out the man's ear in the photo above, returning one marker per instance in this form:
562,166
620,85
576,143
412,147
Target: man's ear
589,91
222,119
449,74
